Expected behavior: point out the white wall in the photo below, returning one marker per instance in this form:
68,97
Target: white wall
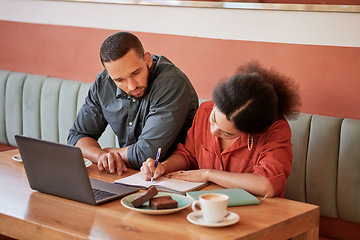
314,28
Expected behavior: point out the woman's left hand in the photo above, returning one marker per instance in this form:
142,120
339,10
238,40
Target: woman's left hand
190,175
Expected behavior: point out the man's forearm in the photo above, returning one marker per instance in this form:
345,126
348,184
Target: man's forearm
90,149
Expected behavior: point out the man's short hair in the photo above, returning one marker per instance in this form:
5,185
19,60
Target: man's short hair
118,44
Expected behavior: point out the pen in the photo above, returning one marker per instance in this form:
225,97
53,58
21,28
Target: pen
156,162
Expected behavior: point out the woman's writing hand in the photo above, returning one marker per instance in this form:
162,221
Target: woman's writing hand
148,169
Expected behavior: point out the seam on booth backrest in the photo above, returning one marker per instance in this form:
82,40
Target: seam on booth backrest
40,122
307,154
337,168
53,87
77,100
4,107
58,112
69,90
41,80
9,112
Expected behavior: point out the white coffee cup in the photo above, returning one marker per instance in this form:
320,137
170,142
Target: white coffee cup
213,206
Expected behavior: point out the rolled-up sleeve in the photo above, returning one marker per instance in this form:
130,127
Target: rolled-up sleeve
275,160
90,121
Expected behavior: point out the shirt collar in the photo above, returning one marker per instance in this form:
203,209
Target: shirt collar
122,94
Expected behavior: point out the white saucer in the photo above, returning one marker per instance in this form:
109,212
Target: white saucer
17,158
196,217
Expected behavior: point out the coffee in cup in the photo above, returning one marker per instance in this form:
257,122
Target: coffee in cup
213,206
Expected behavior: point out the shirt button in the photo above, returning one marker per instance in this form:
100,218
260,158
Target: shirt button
134,100
130,123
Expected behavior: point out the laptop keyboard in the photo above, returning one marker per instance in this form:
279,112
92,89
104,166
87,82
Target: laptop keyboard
100,194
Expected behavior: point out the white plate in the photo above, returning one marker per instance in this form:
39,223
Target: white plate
183,202
17,158
196,217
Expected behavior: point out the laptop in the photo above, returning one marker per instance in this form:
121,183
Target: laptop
59,170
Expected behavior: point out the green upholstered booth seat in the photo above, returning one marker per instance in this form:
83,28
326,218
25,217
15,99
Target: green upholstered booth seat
41,107
326,171
326,150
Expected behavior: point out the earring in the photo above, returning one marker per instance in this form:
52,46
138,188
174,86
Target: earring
250,143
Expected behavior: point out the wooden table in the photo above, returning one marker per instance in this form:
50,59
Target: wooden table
28,214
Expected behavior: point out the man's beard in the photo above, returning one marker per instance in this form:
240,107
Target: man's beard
145,89
137,97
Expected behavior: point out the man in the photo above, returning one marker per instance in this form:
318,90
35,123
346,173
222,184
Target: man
148,102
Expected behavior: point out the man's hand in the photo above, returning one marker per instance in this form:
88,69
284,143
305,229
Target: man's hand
110,161
107,159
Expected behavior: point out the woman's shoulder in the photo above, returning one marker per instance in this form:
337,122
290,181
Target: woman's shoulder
203,112
280,128
282,122
207,105
205,108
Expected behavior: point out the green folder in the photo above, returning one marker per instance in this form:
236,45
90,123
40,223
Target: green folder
237,196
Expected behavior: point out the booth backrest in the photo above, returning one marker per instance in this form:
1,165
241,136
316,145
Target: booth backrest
326,165
41,107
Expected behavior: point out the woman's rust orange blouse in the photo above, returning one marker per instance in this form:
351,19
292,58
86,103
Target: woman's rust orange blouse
270,156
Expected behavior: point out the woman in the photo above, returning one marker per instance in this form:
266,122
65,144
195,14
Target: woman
241,139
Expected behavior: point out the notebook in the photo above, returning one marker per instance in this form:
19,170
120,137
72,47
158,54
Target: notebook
162,184
59,170
237,196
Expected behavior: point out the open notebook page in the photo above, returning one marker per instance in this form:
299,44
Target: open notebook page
161,183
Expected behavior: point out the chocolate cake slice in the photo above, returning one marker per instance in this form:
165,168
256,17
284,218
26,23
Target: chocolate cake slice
140,200
164,202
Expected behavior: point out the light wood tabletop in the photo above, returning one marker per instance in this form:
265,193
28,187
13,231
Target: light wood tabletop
28,214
